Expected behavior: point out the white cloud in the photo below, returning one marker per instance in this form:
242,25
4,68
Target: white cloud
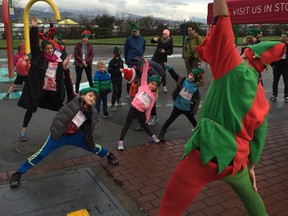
169,9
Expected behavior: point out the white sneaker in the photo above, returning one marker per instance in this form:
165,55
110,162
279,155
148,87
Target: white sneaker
120,145
154,139
165,90
113,108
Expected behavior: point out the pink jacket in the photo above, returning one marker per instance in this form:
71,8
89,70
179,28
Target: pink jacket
145,98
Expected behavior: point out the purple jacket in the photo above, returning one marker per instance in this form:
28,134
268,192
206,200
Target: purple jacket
78,53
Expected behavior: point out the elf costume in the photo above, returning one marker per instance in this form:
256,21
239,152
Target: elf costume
232,125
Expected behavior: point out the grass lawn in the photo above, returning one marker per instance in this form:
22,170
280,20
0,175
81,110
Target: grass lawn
120,41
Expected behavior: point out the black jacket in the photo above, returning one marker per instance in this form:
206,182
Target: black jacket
159,57
114,70
33,95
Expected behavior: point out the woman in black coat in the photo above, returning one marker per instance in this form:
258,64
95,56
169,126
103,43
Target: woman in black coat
45,83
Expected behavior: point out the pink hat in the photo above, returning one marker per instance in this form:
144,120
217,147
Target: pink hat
166,31
129,74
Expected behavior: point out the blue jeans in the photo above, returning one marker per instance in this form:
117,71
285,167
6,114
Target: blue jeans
51,145
103,98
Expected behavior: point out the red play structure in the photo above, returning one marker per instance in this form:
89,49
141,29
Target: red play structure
6,21
255,11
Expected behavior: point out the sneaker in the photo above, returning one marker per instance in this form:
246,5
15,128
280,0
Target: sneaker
164,89
152,121
273,98
23,136
286,99
107,115
119,103
139,127
112,159
6,96
120,145
113,108
15,180
154,139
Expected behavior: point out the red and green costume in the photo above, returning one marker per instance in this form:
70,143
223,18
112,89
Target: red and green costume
231,130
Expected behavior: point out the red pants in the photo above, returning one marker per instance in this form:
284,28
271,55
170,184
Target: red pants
186,182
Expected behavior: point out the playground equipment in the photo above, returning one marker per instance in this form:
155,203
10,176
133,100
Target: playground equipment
26,20
6,21
6,4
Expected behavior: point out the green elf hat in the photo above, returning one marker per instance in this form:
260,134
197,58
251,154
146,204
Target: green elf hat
58,35
196,72
45,43
154,78
86,33
133,26
89,89
117,52
63,43
264,53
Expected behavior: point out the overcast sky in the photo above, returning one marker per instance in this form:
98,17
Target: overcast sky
168,9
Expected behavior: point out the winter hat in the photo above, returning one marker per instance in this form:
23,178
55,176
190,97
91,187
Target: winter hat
85,33
89,89
197,73
264,53
63,43
134,26
117,52
167,32
58,35
154,78
129,74
45,43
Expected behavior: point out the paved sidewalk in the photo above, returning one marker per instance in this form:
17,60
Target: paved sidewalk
144,171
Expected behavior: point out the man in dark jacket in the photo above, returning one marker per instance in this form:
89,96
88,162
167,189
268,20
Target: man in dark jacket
74,125
281,68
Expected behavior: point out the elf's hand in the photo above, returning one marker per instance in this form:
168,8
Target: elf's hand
252,176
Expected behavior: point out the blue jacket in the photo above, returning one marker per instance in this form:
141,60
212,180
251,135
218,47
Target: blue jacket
102,82
134,46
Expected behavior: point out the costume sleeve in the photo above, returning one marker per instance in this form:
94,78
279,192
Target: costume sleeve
218,48
258,141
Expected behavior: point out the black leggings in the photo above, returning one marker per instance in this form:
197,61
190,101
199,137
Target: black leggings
88,71
134,113
27,118
175,114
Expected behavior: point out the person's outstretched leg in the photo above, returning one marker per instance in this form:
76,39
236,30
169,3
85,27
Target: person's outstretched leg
186,182
173,116
242,185
191,118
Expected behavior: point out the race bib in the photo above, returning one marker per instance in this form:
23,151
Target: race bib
51,70
79,119
144,98
57,53
186,94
